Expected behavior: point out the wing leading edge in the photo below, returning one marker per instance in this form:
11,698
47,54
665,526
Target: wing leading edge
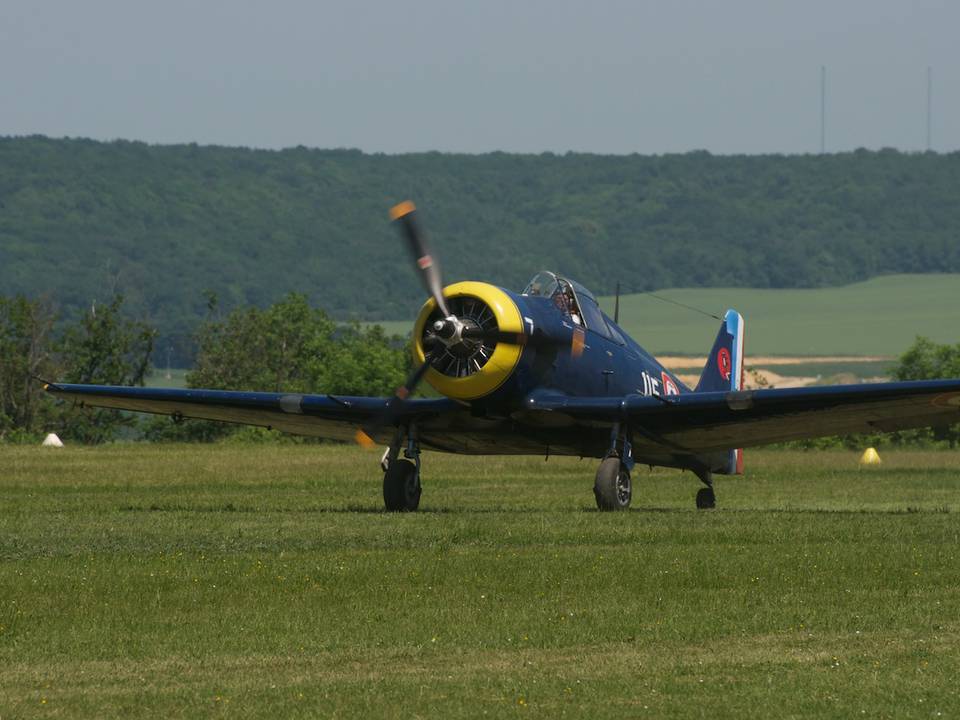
327,416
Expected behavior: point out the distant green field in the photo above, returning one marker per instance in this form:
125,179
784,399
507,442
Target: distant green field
159,378
238,581
403,328
879,317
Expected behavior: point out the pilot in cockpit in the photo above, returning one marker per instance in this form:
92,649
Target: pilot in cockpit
564,299
546,284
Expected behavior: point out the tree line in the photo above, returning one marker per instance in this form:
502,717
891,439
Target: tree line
82,220
101,346
288,347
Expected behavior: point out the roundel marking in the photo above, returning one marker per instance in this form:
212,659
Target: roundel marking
723,363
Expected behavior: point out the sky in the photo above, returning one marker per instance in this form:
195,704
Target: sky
731,76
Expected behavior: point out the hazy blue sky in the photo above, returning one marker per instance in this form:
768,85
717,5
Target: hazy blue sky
737,76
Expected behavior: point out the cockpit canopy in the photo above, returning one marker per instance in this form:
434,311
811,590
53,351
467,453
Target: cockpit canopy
543,284
575,301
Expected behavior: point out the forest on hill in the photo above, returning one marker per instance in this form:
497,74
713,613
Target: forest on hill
171,226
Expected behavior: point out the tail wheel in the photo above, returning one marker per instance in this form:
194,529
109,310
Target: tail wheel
401,486
612,488
706,500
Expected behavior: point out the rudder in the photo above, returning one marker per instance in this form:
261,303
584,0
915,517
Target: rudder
724,371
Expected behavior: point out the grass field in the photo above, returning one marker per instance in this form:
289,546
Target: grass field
266,582
881,316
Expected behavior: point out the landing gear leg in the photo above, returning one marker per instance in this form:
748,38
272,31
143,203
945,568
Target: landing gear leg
706,500
612,488
390,454
401,477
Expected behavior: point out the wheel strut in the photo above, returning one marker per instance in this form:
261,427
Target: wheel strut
401,477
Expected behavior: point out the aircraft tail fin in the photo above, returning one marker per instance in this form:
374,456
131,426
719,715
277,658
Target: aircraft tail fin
724,370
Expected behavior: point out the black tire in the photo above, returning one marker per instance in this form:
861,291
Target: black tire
401,486
706,500
612,488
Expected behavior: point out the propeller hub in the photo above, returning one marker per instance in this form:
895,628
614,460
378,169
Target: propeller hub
448,328
453,333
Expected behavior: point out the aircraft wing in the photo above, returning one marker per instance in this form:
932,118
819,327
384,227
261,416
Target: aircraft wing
711,421
328,416
663,427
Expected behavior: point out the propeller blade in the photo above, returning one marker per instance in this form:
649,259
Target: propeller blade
497,336
364,436
404,215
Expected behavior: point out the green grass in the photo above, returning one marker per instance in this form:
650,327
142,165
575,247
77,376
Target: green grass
881,316
266,582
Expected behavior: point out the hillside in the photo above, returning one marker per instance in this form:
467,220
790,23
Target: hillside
163,224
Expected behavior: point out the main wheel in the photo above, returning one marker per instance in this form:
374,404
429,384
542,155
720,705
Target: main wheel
612,488
706,500
401,486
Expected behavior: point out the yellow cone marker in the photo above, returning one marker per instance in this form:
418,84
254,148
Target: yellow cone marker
870,457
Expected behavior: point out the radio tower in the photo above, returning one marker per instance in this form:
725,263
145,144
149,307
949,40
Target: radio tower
823,109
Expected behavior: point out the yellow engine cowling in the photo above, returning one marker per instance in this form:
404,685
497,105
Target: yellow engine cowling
501,362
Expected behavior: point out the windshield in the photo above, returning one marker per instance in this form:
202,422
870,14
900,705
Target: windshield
544,284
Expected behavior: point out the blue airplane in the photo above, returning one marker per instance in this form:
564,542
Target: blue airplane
546,372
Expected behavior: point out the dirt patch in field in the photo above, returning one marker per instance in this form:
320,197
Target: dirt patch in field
678,361
759,372
756,378
759,378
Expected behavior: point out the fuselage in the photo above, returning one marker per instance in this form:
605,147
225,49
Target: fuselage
569,346
611,363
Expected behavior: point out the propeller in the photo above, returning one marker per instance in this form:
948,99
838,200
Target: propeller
515,338
405,217
448,330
